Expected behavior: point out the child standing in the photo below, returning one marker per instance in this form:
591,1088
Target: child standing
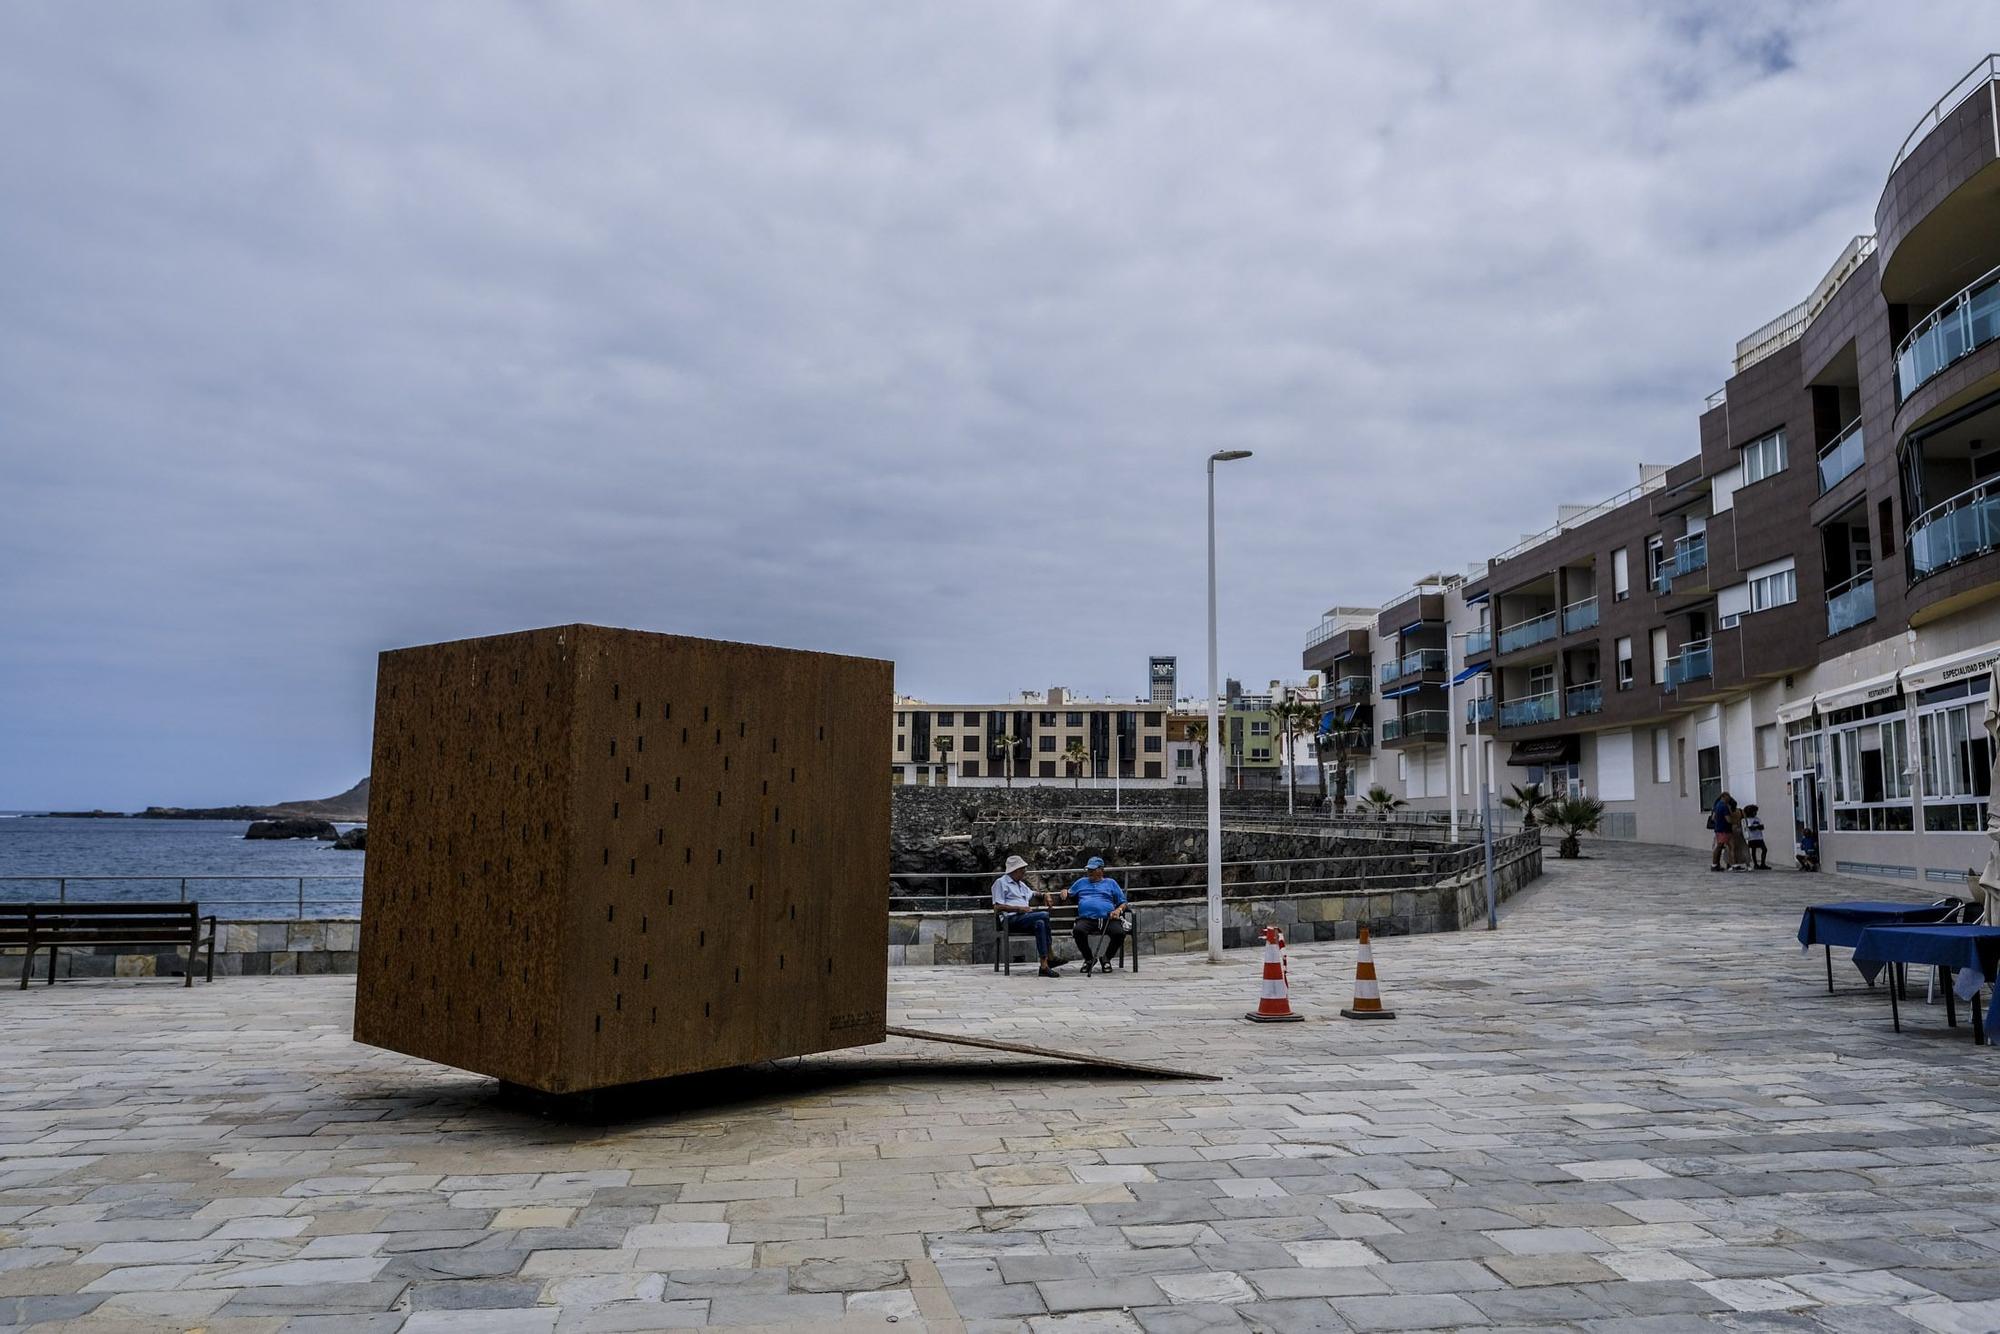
1753,834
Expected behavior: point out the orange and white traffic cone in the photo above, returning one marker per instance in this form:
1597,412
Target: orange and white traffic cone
1274,1001
1367,994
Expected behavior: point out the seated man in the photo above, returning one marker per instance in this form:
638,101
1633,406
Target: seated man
1808,848
1012,897
1100,910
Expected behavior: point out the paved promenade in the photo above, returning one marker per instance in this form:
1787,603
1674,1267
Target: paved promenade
1634,1108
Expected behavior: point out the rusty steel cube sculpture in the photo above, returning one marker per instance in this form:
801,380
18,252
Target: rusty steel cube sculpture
601,856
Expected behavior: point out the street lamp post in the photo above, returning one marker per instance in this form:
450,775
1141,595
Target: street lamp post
1215,727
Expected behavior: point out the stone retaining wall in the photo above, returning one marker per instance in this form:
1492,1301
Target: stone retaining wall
1180,925
1177,926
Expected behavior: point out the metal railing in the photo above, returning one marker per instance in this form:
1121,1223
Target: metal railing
1585,698
1580,615
1850,602
1694,662
1974,81
1584,516
1689,555
154,888
1529,633
1840,456
1478,641
1529,711
1423,722
1967,525
1479,710
1962,324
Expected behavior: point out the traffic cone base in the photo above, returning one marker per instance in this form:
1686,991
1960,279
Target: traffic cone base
1367,991
1274,1003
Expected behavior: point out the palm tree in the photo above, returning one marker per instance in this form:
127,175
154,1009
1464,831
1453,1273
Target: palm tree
1575,816
1337,742
1380,801
1074,755
1530,801
1297,719
1198,733
1007,744
944,758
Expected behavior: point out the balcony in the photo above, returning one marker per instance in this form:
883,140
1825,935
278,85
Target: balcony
1690,554
1415,726
1351,689
1840,456
1967,525
1959,327
1849,604
1413,664
1693,663
1478,642
1586,698
1479,710
1529,633
1526,712
1580,615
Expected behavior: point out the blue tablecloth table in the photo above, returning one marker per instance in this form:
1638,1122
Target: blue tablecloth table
1970,953
1841,924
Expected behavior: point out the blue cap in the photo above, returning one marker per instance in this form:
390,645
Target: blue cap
1094,864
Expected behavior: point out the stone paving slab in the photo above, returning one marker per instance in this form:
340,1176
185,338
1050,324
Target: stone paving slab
1633,1108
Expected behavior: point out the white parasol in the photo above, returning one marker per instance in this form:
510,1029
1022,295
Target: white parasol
1989,880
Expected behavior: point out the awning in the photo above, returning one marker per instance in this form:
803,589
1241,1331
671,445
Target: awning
1326,721
1799,708
1954,667
1471,672
1544,750
1347,718
1474,599
1398,694
1859,692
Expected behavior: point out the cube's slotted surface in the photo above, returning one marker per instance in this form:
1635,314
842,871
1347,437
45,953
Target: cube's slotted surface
600,856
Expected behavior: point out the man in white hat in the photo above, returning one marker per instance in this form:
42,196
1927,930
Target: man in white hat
1013,897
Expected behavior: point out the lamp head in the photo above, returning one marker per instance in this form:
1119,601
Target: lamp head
1228,455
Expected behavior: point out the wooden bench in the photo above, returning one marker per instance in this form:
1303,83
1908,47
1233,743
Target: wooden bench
1062,924
52,926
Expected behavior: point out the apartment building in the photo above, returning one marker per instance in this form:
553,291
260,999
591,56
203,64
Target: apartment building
1040,737
1806,613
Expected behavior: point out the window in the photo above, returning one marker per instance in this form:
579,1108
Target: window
1957,759
1152,768
1773,585
1709,758
1886,514
1183,759
969,768
1764,457
1045,743
1663,756
1153,745
1681,745
1072,720
1656,554
1464,769
1260,752
1659,648
1869,744
899,742
1045,720
1770,753
899,719
945,720
1045,769
972,742
1402,765
1621,576
1624,646
1152,720
1260,727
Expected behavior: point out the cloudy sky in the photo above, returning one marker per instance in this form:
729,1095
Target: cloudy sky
893,329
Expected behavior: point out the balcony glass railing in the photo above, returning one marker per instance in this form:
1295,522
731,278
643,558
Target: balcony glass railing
1391,672
1350,688
1479,710
1839,457
1424,722
1529,633
1478,642
1849,604
1689,554
1966,525
1533,709
1962,325
1692,663
1579,615
1424,660
1586,698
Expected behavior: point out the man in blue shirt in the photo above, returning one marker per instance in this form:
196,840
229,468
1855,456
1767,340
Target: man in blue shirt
1100,910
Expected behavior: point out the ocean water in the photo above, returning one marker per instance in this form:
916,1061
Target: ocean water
148,860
